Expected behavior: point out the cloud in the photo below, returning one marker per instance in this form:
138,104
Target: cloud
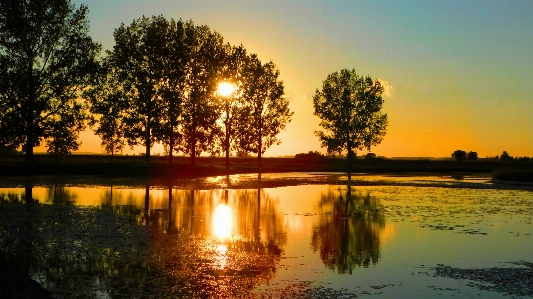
387,88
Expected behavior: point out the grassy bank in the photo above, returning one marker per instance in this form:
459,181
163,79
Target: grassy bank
134,166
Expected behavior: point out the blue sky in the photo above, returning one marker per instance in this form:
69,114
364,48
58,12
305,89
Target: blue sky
459,72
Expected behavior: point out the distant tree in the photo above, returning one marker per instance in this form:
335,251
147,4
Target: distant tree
309,155
201,107
267,111
46,59
459,155
472,156
370,156
524,158
63,133
350,106
506,157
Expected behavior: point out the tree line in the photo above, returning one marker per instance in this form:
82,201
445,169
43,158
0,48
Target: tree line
158,84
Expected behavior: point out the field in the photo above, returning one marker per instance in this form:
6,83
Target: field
135,166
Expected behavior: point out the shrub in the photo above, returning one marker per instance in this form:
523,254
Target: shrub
506,157
370,156
472,156
309,155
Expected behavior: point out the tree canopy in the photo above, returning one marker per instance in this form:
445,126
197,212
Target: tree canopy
459,155
46,59
201,107
349,106
266,110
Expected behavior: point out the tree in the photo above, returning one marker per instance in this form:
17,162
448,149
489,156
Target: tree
267,111
175,58
459,155
471,156
139,58
370,156
108,105
349,107
46,59
200,108
63,132
505,156
232,73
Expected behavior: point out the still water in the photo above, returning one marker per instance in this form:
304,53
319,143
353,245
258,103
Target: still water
304,241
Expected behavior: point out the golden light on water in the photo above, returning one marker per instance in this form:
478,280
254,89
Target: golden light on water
222,222
225,89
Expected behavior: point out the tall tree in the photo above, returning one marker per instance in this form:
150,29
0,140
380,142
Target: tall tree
108,106
201,107
350,106
172,88
139,58
234,104
267,111
46,59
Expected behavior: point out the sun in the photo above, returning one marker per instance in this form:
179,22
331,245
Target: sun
225,89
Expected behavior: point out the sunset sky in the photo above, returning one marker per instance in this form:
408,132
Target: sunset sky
459,74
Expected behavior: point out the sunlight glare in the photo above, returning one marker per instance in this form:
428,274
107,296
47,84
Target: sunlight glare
222,222
225,89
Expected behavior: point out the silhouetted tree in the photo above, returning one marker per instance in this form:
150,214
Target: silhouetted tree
138,59
46,59
63,133
370,156
108,105
350,106
309,155
200,107
233,72
177,55
267,111
505,156
459,155
472,156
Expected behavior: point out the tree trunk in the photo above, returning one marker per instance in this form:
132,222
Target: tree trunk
193,151
260,147
148,142
349,158
30,138
171,146
29,141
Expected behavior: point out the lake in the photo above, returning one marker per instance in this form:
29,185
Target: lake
306,236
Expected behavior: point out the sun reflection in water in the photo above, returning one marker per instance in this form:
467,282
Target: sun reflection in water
222,222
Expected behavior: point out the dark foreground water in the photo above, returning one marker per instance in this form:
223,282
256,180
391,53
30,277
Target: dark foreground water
386,240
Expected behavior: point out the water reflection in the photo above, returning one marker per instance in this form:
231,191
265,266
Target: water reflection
222,222
60,195
189,243
348,233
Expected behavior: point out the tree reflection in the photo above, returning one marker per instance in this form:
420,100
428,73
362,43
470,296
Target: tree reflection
164,248
348,233
208,265
60,195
